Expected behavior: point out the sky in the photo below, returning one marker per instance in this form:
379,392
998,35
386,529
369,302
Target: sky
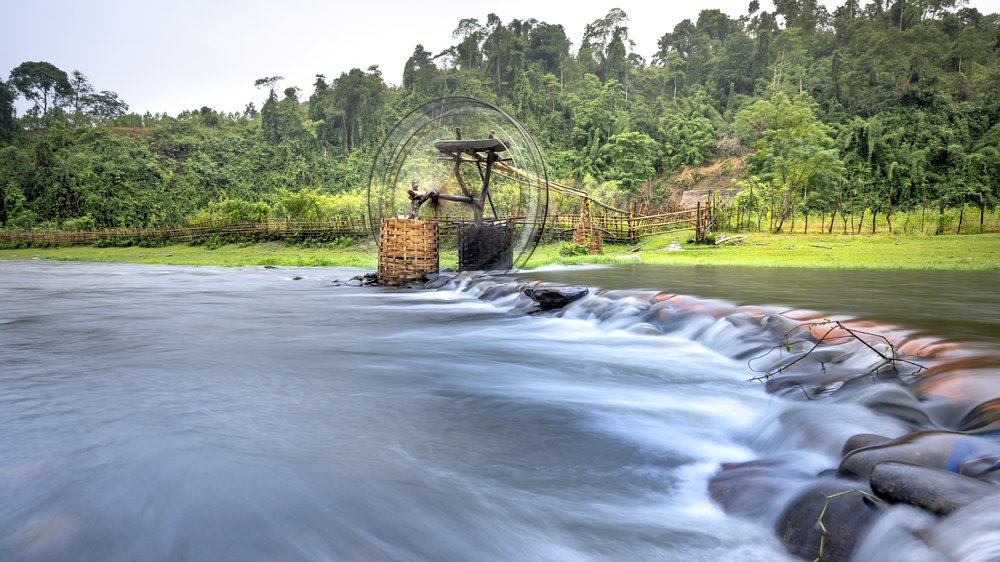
185,54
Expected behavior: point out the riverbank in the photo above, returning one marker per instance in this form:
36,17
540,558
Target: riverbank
952,252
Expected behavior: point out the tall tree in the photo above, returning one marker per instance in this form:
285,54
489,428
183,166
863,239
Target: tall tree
40,82
8,115
793,149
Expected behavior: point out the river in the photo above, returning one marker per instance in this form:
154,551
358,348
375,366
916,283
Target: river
200,413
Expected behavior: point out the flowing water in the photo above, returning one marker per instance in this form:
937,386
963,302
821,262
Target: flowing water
181,413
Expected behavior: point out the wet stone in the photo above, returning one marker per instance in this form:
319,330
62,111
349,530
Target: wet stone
934,449
935,490
500,291
971,532
862,440
552,297
848,515
749,489
984,417
437,283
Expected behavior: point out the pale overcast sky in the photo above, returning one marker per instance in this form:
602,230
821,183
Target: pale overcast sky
184,54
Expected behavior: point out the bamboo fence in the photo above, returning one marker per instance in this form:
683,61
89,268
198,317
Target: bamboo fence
610,225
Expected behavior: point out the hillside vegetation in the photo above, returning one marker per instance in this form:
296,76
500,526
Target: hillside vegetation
876,108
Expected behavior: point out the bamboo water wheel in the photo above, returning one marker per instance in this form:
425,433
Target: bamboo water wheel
438,166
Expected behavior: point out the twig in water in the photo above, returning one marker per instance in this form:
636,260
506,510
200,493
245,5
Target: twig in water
826,339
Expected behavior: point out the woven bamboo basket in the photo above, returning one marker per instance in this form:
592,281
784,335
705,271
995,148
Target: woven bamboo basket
408,250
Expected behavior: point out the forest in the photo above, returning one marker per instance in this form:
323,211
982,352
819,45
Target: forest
874,108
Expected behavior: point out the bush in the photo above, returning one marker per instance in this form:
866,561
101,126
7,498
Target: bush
85,222
569,250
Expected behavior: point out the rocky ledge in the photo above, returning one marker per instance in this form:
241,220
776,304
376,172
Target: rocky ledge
929,494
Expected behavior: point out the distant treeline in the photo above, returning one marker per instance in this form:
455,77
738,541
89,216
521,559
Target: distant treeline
877,107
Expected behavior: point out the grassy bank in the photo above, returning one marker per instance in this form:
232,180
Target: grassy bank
966,252
270,253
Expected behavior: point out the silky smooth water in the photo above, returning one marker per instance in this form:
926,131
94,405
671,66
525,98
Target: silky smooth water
183,413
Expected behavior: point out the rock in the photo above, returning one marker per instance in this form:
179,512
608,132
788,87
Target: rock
644,329
369,279
353,283
753,489
525,307
934,449
500,291
984,417
898,535
270,267
438,282
935,490
970,534
552,297
297,278
862,440
893,400
847,518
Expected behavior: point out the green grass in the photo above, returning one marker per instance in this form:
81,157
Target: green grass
965,252
269,253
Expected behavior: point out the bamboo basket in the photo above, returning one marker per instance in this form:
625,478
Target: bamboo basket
408,250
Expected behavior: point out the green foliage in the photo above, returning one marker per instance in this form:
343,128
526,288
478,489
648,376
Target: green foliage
631,159
41,82
8,115
232,211
568,249
793,149
876,110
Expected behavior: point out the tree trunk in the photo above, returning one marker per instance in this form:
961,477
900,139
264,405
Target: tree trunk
961,215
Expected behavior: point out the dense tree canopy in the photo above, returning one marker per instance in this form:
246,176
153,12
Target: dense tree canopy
873,107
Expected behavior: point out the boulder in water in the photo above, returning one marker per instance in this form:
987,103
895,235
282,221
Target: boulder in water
862,440
845,512
970,534
935,490
438,282
553,297
983,418
499,291
935,449
753,489
899,535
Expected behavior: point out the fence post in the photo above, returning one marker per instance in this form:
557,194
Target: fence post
697,223
630,231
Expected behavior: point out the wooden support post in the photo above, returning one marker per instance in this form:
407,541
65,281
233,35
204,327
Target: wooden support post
630,231
697,223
